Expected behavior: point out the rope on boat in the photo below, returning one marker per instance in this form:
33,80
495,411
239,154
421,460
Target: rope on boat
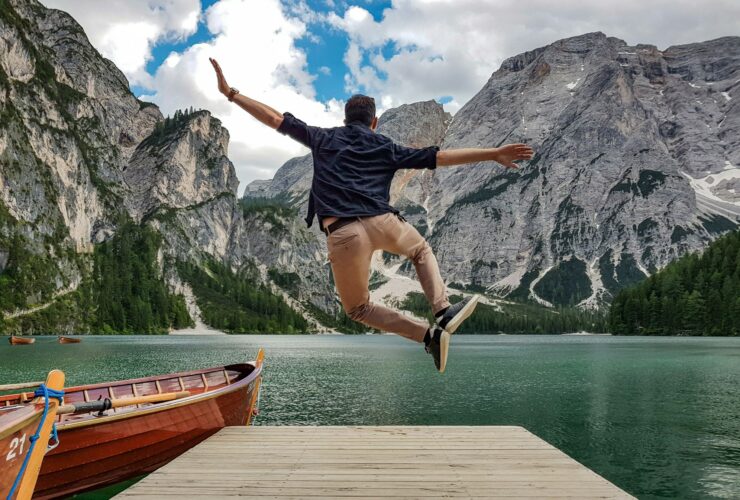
47,394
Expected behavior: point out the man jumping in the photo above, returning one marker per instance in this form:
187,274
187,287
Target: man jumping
352,172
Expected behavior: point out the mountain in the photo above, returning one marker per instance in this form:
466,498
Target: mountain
637,154
87,169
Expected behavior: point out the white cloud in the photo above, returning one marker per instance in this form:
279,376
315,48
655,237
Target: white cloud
125,31
451,47
255,44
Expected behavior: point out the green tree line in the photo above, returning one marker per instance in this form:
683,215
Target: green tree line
128,293
698,294
516,318
122,291
164,127
237,303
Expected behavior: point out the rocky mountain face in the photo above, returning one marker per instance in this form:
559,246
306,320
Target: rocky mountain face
79,154
637,154
637,163
68,127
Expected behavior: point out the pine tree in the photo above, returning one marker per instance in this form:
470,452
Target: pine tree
695,295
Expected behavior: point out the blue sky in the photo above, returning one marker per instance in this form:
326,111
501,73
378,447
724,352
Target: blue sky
329,52
325,49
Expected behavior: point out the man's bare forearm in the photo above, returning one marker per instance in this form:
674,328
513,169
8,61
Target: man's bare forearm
451,157
260,111
505,155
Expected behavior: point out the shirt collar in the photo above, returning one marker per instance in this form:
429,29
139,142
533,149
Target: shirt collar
357,122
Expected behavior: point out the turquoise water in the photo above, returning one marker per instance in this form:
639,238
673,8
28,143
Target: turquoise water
659,417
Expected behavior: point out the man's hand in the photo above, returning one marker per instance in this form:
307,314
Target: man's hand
507,155
262,112
223,87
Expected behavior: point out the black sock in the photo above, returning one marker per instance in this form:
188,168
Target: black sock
441,312
428,336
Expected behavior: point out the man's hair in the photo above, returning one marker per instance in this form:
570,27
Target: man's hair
359,108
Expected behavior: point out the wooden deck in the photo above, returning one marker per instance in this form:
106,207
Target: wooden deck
374,462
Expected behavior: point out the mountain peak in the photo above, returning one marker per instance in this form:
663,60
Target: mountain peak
418,124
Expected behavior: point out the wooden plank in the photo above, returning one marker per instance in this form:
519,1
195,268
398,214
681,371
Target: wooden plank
384,492
374,462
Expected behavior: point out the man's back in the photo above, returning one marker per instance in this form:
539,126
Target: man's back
353,167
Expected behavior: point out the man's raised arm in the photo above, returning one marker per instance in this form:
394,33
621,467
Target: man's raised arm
262,112
505,155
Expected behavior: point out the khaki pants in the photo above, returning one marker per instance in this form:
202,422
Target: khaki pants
350,250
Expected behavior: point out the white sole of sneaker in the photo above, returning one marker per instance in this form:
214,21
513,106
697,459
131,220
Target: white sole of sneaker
464,313
444,346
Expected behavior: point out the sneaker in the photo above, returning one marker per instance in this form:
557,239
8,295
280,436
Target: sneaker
438,346
452,317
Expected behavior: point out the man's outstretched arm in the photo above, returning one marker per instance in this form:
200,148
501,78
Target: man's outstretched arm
505,155
262,112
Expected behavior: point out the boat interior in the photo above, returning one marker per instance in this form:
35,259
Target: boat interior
195,382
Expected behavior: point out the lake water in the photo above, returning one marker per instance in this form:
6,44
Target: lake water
659,417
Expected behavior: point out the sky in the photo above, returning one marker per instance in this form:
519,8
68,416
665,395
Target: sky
309,56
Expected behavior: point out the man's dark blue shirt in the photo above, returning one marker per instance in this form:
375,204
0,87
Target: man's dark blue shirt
353,167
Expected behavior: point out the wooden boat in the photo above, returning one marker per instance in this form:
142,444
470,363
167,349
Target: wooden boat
97,450
17,425
21,340
68,340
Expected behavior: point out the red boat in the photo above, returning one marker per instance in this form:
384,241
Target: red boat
68,340
97,450
21,340
17,425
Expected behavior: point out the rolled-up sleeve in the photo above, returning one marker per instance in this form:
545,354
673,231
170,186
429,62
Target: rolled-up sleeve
404,157
298,130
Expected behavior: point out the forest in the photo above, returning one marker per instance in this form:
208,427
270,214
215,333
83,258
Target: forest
127,288
121,292
698,294
237,302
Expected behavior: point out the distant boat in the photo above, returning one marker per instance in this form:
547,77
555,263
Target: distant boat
100,449
21,340
68,340
17,425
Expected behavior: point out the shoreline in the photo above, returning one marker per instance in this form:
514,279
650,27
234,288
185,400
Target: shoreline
211,332
198,329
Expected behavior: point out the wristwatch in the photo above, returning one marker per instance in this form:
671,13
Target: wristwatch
232,92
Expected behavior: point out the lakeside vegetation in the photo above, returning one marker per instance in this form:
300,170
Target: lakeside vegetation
129,293
515,318
122,292
237,302
699,294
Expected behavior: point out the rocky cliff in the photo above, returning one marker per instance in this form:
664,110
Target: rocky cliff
637,163
79,155
67,128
